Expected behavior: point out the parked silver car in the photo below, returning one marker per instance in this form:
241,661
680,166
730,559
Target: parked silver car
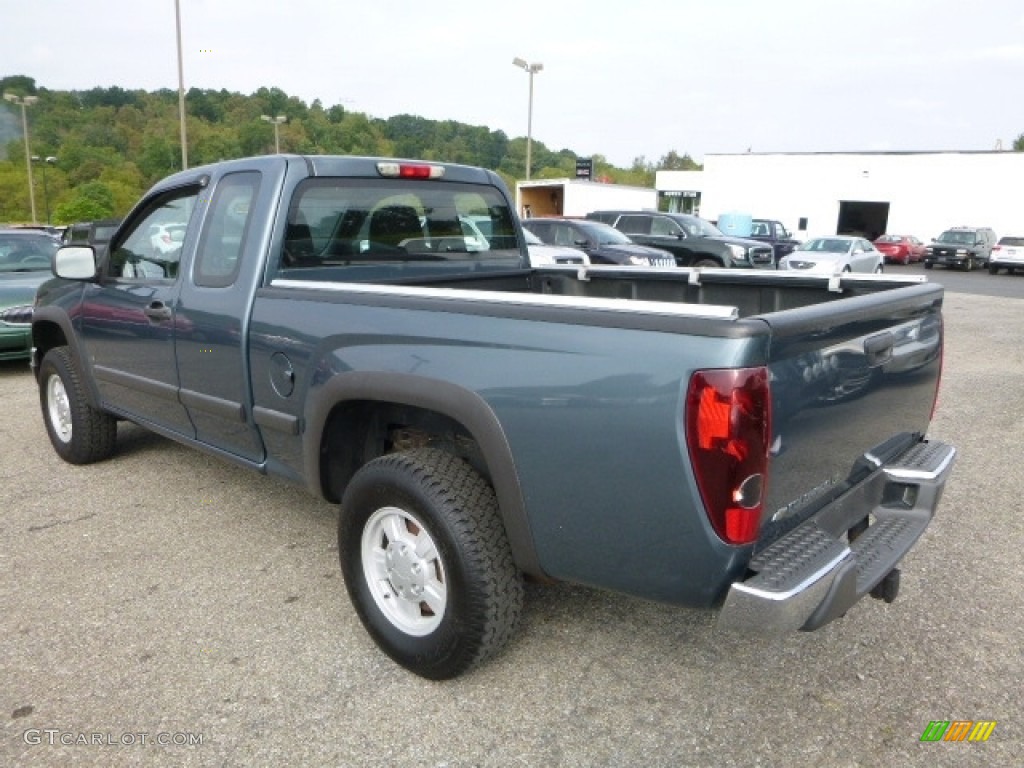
834,253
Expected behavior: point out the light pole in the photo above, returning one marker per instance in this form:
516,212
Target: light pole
181,89
531,70
276,122
51,160
26,101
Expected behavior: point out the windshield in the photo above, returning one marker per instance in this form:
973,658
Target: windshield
604,234
889,239
825,245
701,228
957,237
26,253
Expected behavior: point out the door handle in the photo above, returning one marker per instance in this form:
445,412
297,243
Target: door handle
157,310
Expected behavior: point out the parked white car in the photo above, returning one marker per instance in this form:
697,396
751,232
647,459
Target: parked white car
1007,254
542,254
833,254
166,238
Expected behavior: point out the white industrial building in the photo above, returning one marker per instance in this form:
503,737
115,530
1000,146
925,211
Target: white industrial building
871,193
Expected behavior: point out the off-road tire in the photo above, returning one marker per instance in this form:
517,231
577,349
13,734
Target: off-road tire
79,433
429,500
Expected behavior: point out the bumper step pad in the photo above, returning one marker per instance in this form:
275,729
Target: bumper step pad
814,574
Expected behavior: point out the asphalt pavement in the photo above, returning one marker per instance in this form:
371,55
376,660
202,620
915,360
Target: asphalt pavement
163,608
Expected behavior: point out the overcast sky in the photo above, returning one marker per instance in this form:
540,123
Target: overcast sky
625,79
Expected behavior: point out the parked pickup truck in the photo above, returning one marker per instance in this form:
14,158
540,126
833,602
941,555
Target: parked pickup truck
775,234
706,437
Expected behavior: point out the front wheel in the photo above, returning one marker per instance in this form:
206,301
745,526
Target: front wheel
928,265
427,563
78,432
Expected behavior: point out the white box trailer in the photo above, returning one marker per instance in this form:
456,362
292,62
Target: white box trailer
577,198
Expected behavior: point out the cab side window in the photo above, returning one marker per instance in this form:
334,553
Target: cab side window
227,225
664,227
635,225
151,248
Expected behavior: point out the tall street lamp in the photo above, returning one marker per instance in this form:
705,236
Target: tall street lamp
181,89
276,122
26,101
531,69
51,160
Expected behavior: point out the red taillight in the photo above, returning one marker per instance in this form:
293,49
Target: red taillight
728,430
942,360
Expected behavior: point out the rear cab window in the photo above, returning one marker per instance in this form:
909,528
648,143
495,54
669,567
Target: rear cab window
358,229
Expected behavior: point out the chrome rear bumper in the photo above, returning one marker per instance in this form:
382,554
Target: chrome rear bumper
814,574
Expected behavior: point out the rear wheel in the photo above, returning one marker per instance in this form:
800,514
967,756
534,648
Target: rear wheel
78,432
928,265
994,270
427,563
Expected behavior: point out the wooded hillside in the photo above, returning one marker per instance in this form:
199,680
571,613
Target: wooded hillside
111,144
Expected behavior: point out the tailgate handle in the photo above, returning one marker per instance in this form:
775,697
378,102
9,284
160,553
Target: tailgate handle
878,348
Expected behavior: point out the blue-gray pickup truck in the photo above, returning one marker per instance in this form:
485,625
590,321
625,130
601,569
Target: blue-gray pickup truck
752,441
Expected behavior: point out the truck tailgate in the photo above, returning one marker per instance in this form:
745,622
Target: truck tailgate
851,484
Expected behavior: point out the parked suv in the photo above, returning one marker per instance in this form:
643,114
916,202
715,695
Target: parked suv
693,241
964,247
601,243
96,233
1007,254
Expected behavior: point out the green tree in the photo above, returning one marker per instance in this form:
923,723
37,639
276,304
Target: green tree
674,162
94,200
1018,143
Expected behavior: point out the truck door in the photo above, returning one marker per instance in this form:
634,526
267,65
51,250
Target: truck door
128,320
213,311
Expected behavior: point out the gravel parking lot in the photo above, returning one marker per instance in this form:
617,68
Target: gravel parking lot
163,596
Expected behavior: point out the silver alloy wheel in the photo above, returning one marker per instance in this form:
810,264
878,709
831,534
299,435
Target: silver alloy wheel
404,571
58,408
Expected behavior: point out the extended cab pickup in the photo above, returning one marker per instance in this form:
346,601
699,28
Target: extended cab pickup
752,440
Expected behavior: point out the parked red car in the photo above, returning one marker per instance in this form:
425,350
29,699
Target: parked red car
900,249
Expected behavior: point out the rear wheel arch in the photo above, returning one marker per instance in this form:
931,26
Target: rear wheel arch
359,416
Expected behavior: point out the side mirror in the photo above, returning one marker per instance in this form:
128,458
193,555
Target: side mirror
75,262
